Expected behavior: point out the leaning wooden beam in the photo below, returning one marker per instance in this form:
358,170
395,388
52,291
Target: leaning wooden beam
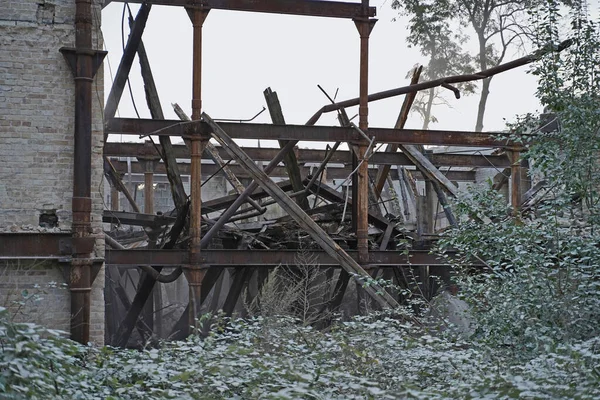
402,117
167,151
290,161
116,91
214,154
305,222
115,181
428,169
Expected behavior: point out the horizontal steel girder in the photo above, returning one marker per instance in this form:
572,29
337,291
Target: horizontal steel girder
332,9
57,246
134,126
258,258
332,172
113,149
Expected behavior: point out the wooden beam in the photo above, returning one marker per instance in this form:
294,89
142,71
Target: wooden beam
166,150
402,117
290,161
305,222
122,74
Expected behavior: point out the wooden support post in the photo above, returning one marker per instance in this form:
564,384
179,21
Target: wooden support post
290,161
240,276
300,216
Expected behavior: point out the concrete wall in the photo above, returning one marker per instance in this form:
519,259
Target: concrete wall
37,105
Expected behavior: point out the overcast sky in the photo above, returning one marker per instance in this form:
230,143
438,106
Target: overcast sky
244,53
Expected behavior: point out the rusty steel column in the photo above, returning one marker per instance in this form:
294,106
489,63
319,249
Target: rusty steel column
83,60
515,181
364,26
195,272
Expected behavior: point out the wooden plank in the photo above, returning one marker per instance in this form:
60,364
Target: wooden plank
402,117
216,157
290,161
428,169
122,74
167,151
305,222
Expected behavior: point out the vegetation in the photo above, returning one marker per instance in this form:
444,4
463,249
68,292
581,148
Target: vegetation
535,307
497,26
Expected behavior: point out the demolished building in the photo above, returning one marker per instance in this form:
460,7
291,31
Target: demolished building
56,225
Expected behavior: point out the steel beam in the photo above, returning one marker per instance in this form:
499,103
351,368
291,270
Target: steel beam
134,126
268,258
314,8
332,173
113,149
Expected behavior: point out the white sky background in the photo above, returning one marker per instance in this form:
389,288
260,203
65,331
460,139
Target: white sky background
244,53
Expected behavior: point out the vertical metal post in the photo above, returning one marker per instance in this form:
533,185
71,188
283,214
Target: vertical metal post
364,26
80,281
194,271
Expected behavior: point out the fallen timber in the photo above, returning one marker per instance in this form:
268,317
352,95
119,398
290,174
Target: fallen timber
351,266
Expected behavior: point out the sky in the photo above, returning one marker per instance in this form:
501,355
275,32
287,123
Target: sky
244,53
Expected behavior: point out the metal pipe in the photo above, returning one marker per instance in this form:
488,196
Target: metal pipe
364,26
194,272
80,276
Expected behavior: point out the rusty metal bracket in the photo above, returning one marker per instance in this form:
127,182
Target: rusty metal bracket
70,54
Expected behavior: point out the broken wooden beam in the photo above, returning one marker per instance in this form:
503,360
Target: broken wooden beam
402,118
290,161
305,222
216,157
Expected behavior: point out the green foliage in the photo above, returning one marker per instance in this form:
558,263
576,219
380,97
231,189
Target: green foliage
498,26
374,357
541,284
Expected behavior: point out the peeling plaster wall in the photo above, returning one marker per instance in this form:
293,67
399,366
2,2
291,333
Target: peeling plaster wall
37,108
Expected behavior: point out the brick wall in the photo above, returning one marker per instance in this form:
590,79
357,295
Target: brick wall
37,106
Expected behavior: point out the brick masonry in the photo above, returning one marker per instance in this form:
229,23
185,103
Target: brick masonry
37,105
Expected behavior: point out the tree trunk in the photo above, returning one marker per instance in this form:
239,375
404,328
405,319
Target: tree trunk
485,91
427,115
485,87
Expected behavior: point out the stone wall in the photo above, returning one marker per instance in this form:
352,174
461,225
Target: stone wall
37,108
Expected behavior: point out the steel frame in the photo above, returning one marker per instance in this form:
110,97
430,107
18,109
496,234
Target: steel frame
198,263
